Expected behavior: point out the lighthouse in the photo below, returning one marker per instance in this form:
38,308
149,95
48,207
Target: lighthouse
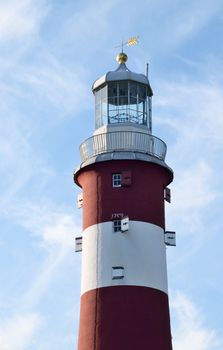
123,179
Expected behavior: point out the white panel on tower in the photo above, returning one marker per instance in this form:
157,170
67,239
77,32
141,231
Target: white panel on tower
125,224
167,195
170,238
78,244
80,200
141,252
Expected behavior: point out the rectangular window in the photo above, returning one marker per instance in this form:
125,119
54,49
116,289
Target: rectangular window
117,225
117,272
116,180
122,179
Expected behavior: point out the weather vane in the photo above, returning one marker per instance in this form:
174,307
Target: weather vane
131,41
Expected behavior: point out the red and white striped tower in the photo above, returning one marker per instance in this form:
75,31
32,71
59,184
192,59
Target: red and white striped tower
123,175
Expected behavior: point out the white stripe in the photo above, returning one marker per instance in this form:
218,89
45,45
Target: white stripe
141,251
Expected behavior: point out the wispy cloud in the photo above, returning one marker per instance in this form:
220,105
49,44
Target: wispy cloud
198,105
95,30
15,152
189,329
181,21
19,19
192,113
192,193
53,82
188,19
18,332
53,225
52,231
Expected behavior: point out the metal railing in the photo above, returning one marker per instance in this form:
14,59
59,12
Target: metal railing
123,141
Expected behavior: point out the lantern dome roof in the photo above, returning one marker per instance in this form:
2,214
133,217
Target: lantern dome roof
122,73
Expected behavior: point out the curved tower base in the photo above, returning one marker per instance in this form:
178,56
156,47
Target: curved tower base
124,302
124,318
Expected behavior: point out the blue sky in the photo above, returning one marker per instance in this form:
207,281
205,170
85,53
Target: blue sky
51,53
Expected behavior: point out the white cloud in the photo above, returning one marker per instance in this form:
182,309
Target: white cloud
15,154
20,18
189,330
18,332
54,226
180,20
190,19
192,194
85,27
192,113
54,231
48,273
194,109
193,187
60,231
19,162
51,80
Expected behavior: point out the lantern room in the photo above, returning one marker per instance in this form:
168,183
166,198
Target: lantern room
122,96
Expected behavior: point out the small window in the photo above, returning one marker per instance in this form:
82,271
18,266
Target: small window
116,180
117,272
122,179
117,225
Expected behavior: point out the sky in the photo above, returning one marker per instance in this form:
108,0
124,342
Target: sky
51,52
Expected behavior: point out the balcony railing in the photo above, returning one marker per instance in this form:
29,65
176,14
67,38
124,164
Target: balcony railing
129,141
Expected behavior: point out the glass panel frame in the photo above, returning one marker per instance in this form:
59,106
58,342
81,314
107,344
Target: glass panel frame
117,180
122,102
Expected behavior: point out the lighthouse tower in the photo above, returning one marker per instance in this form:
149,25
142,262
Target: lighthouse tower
124,179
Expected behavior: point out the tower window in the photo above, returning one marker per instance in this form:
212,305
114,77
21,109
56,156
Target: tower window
122,179
117,225
116,180
117,272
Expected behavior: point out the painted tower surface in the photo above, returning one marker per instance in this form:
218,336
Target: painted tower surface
124,179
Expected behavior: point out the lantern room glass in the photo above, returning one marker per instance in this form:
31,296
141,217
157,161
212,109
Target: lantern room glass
122,102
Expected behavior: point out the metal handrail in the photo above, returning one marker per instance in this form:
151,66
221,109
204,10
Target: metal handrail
122,141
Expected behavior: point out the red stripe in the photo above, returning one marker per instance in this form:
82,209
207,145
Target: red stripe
143,200
124,318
